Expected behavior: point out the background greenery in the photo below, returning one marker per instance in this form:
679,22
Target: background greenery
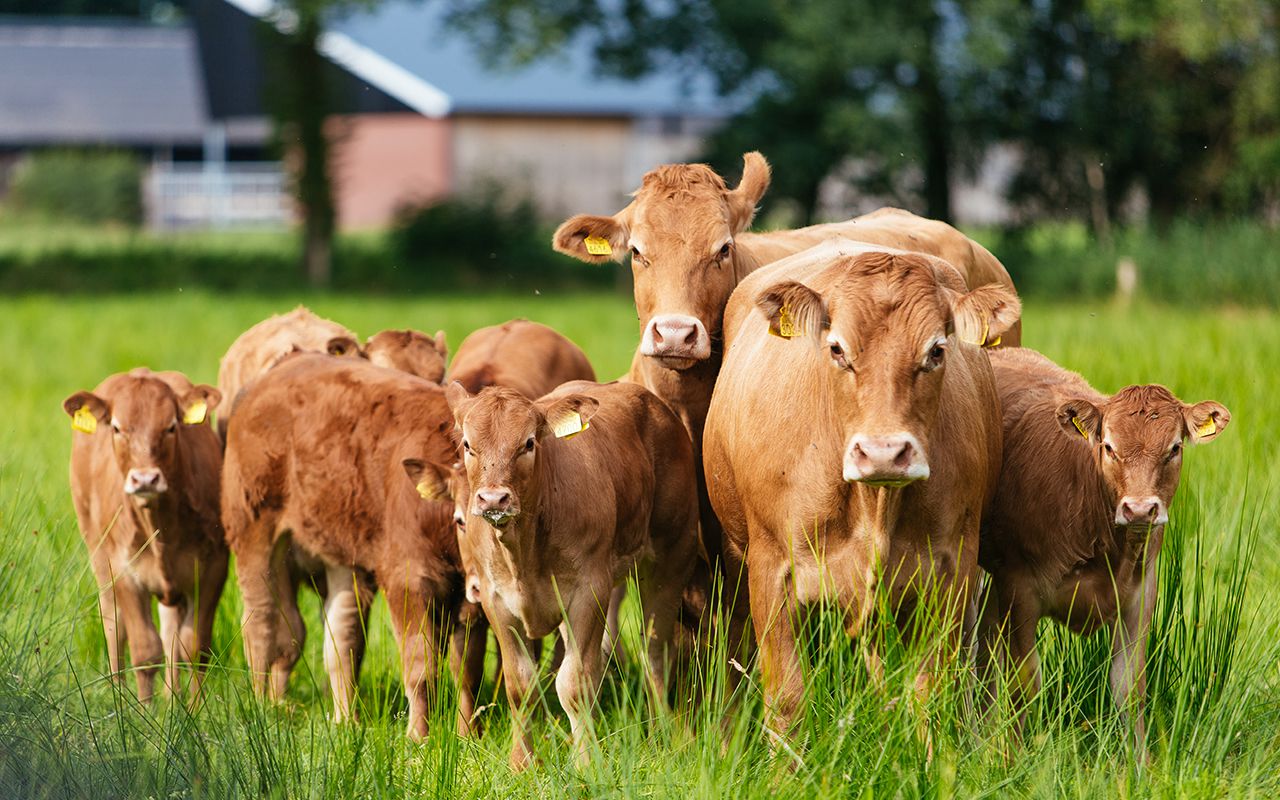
64,731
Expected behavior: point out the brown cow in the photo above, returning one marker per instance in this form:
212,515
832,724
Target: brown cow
337,457
1077,524
852,442
686,232
557,523
409,351
145,470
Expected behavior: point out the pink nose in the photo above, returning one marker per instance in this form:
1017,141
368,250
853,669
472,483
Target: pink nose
496,505
145,481
1140,510
676,336
885,460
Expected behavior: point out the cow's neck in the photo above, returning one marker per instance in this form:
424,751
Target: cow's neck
686,392
155,525
877,511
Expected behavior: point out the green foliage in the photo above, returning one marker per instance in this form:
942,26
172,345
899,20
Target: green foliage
65,731
79,185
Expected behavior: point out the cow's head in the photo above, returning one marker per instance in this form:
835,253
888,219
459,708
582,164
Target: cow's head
886,330
409,351
679,231
440,482
144,418
502,432
1137,438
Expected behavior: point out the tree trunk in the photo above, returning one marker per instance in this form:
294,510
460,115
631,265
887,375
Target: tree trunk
308,109
935,127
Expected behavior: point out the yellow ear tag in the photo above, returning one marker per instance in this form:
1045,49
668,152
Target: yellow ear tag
569,426
786,326
994,342
1206,428
195,413
598,246
1080,427
84,420
427,491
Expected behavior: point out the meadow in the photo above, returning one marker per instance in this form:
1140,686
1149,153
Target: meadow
65,731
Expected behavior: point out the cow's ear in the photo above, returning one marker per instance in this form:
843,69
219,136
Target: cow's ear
343,346
459,401
197,402
431,480
568,416
1081,419
746,196
1204,421
983,315
86,410
592,238
793,310
441,345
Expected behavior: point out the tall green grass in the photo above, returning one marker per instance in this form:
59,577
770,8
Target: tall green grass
1214,711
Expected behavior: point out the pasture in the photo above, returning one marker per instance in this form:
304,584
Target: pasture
1215,681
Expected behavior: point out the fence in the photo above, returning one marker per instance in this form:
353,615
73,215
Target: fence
237,195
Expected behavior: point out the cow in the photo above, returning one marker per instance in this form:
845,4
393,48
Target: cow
852,443
1078,520
686,233
145,472
340,458
256,350
569,495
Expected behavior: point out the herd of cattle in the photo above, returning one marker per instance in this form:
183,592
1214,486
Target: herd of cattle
812,416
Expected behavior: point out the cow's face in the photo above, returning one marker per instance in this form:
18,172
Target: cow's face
409,351
502,433
144,420
1138,437
679,231
886,331
439,482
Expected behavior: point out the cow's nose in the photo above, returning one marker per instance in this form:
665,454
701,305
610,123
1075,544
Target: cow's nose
496,505
894,459
145,481
676,336
1137,510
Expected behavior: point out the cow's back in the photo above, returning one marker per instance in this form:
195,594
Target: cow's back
528,357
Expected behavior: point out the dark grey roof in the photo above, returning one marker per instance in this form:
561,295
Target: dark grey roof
94,83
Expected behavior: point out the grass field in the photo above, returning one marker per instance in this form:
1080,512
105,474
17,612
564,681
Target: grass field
1215,710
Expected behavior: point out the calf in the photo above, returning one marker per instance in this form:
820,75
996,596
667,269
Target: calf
145,469
852,442
409,351
337,457
1078,520
557,522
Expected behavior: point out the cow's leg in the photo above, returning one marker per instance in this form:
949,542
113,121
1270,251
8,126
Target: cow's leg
466,662
175,649
735,605
578,680
1024,661
661,597
211,576
146,651
612,645
112,627
1129,658
345,609
519,673
773,612
266,586
950,607
418,634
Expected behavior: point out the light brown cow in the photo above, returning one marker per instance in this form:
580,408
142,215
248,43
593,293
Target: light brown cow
1077,524
686,232
557,523
145,471
339,457
409,351
852,443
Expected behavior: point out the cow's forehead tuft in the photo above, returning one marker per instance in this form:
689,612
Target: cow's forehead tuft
681,178
875,286
498,411
1150,401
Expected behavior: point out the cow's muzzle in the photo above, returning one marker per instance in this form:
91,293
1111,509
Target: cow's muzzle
676,341
497,506
145,483
1141,511
892,460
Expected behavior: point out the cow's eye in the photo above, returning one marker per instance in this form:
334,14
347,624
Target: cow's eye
173,426
725,250
1111,451
466,446
837,355
115,427
635,256
528,444
460,520
934,358
1175,450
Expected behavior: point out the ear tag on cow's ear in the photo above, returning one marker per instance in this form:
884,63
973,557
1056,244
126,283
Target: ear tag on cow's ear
1206,428
569,425
195,413
1079,426
427,491
786,325
994,342
598,246
84,420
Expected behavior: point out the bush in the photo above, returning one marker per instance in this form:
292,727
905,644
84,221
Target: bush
94,186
